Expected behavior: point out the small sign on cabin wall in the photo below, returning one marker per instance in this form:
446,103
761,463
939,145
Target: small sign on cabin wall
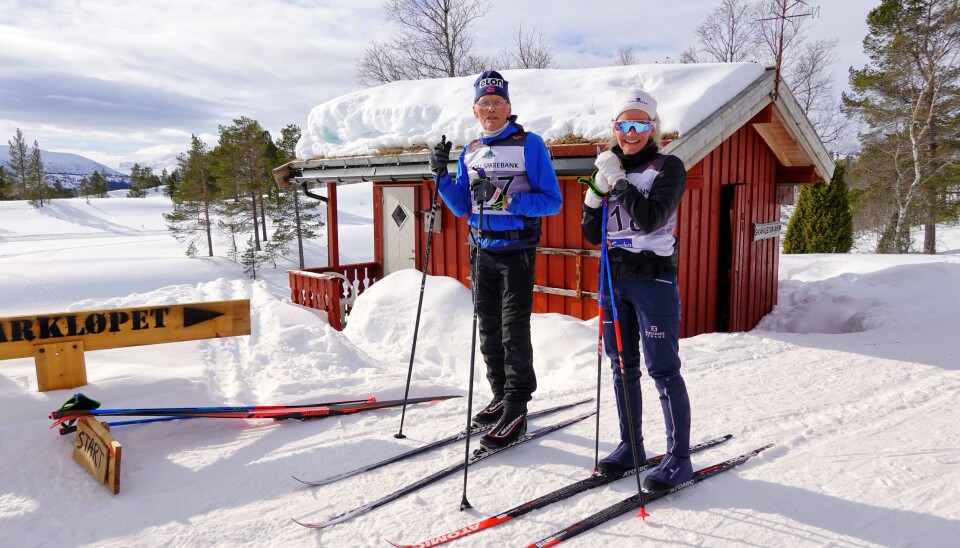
762,231
96,450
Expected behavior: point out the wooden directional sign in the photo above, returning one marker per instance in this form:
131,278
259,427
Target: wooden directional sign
57,341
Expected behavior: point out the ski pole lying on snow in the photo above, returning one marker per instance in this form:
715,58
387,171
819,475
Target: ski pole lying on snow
302,412
81,404
68,428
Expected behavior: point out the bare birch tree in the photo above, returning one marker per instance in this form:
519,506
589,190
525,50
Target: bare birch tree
434,41
529,49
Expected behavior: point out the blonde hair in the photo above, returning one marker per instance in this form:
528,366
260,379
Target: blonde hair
657,136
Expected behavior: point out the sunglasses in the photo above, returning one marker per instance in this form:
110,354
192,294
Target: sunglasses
636,125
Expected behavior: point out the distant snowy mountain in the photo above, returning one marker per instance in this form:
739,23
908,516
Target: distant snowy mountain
70,168
157,166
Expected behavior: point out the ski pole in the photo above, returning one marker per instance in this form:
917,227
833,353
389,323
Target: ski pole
182,410
68,428
600,289
464,503
623,367
423,282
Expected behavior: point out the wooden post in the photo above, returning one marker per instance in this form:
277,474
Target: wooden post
60,365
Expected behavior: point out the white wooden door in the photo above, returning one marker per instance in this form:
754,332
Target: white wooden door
399,229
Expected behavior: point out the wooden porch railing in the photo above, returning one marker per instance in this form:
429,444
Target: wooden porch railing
332,289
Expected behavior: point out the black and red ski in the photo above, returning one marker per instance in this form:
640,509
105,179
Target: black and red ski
433,445
567,491
638,501
477,456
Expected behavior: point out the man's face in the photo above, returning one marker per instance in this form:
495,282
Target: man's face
492,111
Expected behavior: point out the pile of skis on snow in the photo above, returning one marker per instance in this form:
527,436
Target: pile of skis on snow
631,503
80,405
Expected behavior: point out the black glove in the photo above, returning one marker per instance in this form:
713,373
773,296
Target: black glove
619,188
482,189
440,157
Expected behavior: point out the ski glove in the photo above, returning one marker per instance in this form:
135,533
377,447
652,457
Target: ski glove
609,166
483,191
597,188
440,157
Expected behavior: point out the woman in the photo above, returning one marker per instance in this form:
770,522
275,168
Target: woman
643,189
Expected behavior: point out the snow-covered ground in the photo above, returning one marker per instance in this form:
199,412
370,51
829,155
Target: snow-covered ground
854,378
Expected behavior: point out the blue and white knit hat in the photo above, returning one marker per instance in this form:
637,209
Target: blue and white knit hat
491,83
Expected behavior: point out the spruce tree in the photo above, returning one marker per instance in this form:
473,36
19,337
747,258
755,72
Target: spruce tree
37,179
823,220
795,240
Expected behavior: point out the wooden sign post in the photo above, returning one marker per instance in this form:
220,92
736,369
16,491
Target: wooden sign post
96,450
57,342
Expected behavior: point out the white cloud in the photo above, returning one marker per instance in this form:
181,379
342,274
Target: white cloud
134,75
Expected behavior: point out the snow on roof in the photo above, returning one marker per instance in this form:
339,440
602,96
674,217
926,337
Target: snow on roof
549,102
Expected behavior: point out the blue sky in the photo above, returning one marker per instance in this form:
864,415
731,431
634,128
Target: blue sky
120,81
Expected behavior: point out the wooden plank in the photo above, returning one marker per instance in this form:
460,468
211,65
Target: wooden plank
60,365
98,453
116,328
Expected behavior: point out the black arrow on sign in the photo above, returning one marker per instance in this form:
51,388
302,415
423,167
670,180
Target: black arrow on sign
193,316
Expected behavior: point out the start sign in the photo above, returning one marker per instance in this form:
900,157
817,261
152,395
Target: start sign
57,341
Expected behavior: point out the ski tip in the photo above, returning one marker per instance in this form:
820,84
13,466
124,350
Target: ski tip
643,513
372,399
395,545
305,482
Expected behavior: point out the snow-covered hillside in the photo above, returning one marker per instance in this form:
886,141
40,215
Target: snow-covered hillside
853,377
70,168
63,163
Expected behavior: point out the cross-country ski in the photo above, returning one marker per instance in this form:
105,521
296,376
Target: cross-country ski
428,447
595,480
639,501
477,456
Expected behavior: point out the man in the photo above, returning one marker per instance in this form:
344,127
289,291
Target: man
507,171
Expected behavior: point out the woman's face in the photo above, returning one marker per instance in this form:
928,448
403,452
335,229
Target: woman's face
631,141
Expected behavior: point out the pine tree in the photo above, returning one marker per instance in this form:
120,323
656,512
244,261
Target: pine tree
5,185
252,259
293,219
241,164
19,164
138,187
193,198
36,178
99,186
910,92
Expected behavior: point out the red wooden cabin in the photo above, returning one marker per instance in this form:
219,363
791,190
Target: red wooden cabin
743,161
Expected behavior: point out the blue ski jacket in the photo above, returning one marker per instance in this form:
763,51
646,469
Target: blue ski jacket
518,225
